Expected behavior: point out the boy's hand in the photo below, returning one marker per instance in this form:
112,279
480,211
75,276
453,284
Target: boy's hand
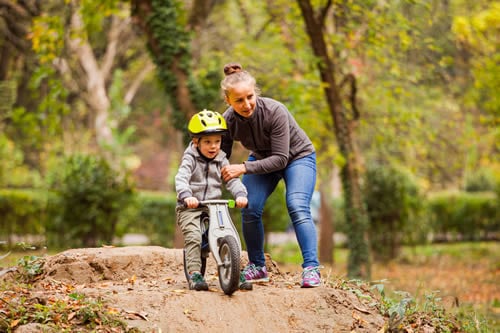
241,202
191,202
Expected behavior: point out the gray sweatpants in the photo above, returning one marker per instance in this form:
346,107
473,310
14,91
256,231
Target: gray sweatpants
189,222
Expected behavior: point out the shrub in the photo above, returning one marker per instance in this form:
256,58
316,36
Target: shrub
153,214
462,215
483,180
89,198
22,213
393,202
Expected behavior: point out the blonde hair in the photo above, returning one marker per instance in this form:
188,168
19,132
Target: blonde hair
235,74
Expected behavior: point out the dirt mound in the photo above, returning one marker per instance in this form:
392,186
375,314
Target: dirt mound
148,286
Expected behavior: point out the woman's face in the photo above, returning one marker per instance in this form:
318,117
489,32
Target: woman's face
242,98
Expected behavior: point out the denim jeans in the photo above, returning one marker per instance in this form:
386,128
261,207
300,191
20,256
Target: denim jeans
300,179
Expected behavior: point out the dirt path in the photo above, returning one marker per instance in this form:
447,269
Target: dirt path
147,285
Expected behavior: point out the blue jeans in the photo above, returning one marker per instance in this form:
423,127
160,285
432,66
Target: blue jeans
300,179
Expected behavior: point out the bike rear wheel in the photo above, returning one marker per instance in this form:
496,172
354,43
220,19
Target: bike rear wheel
229,270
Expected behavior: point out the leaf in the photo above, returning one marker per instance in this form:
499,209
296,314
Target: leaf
14,323
71,316
179,291
143,315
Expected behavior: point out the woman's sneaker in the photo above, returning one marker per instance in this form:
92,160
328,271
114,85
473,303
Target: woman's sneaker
254,273
244,284
197,282
311,277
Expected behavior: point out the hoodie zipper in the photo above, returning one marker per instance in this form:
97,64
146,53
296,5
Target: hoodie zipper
206,180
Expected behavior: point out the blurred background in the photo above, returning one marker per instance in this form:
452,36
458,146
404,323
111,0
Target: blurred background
400,99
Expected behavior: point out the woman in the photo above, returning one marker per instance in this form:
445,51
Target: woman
279,149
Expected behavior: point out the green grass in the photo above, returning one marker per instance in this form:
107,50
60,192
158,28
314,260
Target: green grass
428,273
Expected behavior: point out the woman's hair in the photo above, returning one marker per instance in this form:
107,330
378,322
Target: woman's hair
235,74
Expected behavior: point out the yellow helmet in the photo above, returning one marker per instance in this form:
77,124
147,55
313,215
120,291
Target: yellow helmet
207,122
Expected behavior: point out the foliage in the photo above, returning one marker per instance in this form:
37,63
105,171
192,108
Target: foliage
476,32
483,180
48,44
171,38
30,267
152,214
70,311
89,199
23,212
463,215
275,216
393,203
404,312
13,171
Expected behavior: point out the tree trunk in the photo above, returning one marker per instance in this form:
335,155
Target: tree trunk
326,241
359,259
95,91
142,11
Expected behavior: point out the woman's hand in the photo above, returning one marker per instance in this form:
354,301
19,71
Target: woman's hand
233,171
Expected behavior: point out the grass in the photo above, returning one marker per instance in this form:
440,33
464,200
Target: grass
463,278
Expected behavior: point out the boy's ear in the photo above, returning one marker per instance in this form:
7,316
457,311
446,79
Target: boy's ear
195,141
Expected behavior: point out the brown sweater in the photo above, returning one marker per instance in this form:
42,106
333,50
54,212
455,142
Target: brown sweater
271,134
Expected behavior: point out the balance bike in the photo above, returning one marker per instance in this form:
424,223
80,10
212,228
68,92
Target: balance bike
220,236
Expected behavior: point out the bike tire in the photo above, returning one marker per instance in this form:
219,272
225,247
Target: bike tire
229,271
203,265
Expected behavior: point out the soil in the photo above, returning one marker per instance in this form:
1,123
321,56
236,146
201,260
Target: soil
146,284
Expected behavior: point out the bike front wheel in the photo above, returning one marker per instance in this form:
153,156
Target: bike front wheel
229,270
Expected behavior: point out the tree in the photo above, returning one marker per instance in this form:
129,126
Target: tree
87,64
168,26
356,217
16,20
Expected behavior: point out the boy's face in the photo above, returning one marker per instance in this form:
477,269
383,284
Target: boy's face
209,145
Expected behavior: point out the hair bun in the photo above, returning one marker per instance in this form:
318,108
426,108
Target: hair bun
232,68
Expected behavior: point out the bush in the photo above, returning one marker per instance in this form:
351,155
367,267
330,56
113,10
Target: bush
152,214
393,203
483,180
462,215
89,198
22,213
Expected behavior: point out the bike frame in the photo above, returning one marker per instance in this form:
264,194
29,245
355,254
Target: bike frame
220,225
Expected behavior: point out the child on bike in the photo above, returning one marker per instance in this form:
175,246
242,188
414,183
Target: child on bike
199,178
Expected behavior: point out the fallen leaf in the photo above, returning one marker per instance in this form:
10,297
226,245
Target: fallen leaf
143,315
179,291
14,323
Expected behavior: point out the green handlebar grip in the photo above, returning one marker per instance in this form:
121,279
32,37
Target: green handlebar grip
231,203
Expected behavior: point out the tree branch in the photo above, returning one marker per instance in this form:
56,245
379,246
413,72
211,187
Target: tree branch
350,78
323,12
134,87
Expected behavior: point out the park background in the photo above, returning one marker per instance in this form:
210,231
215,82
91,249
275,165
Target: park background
400,99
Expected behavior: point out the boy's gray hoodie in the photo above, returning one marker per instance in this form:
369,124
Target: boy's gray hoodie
201,178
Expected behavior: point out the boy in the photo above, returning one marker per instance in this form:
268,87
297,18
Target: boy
199,178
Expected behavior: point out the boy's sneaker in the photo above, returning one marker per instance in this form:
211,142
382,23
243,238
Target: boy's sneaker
311,277
254,273
197,282
244,284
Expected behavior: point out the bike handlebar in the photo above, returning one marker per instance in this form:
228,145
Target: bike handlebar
230,203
